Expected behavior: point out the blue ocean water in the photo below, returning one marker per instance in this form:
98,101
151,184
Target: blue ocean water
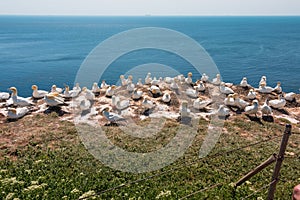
50,49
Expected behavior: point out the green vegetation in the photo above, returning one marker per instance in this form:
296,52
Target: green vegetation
46,160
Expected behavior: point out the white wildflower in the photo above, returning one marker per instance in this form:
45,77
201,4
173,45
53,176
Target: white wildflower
163,194
88,194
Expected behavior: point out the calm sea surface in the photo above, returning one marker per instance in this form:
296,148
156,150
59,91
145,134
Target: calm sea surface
50,50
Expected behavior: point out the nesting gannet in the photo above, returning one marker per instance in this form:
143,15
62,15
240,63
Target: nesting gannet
137,94
110,91
217,80
290,96
240,103
181,78
16,113
184,110
253,108
266,109
251,94
123,80
114,100
112,117
88,94
53,99
147,103
104,85
189,79
244,82
263,80
70,93
199,103
156,92
223,111
154,81
38,93
265,89
4,96
19,101
174,85
56,89
278,103
139,83
95,88
166,98
278,88
168,80
148,78
77,87
204,77
224,89
130,86
200,87
122,104
191,93
84,105
229,100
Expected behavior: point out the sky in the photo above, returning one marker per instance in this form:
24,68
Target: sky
149,7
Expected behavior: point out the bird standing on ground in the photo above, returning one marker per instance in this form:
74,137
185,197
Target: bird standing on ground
278,103
266,109
217,80
19,101
253,109
251,94
38,93
53,100
56,89
112,117
225,90
204,77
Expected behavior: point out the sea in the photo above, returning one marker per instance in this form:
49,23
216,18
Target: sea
47,50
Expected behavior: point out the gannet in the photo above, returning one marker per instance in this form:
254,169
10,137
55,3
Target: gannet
199,103
290,96
156,92
85,105
155,81
240,103
266,109
217,80
19,101
122,104
123,80
225,90
181,78
223,111
200,87
139,83
278,103
174,85
130,86
53,99
263,80
56,89
168,80
278,88
95,88
147,103
88,94
265,89
148,78
114,100
70,93
137,94
38,93
16,113
191,93
251,94
189,79
110,91
244,82
112,117
229,100
4,96
204,77
77,87
166,98
253,108
184,111
104,85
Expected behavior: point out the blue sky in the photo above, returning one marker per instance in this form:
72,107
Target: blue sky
150,7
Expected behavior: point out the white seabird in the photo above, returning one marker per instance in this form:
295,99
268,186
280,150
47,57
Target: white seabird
4,96
114,100
166,98
139,83
156,92
263,80
16,113
174,85
217,80
110,91
278,103
104,85
204,77
147,103
95,88
56,89
168,80
19,101
223,111
184,111
38,93
189,79
253,109
278,88
251,94
123,80
155,81
229,100
240,103
244,82
112,117
148,78
266,109
122,104
70,93
199,103
290,96
225,90
200,87
88,94
53,99
191,93
130,86
265,89
137,94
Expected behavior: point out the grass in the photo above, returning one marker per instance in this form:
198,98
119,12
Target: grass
43,158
